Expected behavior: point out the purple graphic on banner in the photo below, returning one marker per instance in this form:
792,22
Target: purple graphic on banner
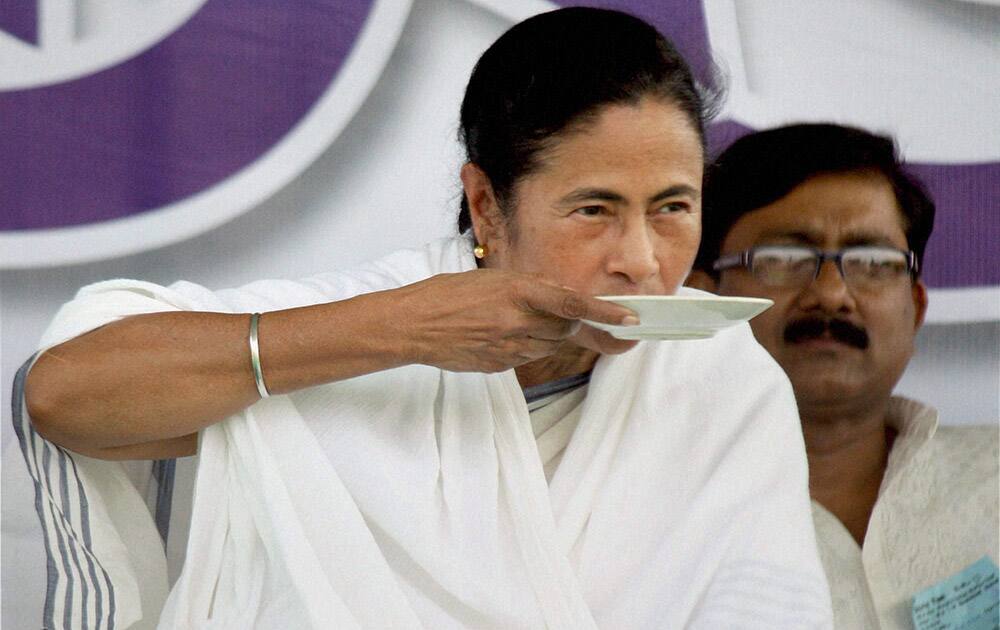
20,19
963,249
223,89
186,114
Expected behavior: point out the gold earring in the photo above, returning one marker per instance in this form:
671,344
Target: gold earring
481,251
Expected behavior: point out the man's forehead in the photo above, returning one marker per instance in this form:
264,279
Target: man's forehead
842,208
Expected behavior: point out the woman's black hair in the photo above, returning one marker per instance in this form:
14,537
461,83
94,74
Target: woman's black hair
555,70
762,167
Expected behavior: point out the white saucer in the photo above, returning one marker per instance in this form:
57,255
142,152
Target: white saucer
674,317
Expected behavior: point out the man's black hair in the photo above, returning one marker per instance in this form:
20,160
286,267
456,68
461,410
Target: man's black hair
762,167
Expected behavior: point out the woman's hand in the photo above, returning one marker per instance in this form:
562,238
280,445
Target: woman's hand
491,320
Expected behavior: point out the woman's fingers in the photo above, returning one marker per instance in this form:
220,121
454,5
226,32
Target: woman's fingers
546,326
532,349
491,320
568,304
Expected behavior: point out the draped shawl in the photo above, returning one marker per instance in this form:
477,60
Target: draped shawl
415,497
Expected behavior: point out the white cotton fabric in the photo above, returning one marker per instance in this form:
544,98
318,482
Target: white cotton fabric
106,562
553,424
416,497
936,514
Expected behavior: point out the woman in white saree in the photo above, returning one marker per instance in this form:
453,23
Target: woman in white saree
436,439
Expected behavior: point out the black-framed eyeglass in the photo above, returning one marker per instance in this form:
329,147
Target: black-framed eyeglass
798,265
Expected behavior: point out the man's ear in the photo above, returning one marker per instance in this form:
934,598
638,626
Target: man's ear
487,220
698,279
919,291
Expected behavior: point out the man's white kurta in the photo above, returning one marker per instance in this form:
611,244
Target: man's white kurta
936,514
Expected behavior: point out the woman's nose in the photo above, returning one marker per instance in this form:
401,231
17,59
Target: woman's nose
635,254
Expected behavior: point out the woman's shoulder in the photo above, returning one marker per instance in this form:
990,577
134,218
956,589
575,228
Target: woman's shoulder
406,266
391,271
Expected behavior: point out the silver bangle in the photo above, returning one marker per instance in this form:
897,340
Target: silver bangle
258,373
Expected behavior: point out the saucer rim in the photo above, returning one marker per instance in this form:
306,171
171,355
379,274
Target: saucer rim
692,298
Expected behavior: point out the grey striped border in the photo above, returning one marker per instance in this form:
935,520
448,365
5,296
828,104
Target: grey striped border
74,597
537,392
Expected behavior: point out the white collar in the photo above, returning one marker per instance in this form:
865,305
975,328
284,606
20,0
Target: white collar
915,423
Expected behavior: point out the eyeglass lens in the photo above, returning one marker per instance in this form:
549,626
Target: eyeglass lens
860,266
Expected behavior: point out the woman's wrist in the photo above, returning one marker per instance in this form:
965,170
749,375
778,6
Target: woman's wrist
329,342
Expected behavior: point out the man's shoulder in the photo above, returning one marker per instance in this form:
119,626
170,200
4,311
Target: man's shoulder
968,438
959,460
965,445
956,463
949,444
961,433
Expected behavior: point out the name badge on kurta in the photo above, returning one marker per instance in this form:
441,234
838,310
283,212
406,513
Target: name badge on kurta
968,600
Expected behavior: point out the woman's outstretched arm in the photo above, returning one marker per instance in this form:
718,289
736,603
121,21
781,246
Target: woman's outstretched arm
142,387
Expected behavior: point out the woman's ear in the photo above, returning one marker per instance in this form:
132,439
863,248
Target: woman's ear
484,210
698,279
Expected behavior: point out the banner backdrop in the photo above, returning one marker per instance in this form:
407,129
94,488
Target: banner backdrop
185,133
226,140
205,109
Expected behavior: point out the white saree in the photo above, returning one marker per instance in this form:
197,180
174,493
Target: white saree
416,497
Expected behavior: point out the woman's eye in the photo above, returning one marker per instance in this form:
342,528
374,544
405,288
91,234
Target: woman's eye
590,211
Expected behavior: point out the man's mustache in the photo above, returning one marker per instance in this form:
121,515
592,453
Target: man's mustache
815,327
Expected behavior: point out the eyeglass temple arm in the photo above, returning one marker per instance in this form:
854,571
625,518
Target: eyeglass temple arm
740,259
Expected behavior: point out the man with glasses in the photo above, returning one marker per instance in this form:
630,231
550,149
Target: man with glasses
823,220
